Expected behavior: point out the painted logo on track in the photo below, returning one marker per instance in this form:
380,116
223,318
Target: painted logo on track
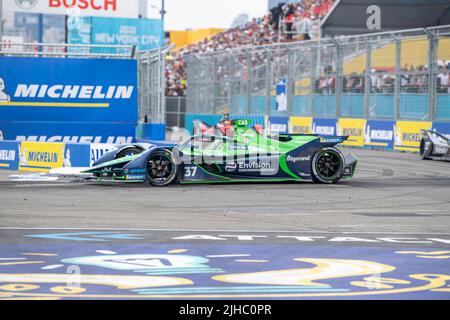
221,271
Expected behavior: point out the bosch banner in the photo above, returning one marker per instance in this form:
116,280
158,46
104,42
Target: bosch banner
379,134
48,97
102,8
9,155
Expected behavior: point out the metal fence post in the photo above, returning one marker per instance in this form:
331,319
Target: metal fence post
290,82
433,43
339,78
249,80
313,79
269,81
398,57
368,81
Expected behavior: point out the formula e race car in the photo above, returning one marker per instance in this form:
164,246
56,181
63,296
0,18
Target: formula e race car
246,157
434,146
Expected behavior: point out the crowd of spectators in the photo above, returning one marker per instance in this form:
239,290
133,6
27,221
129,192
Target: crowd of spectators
412,80
284,23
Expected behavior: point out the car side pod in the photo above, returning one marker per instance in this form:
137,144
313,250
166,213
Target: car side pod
351,161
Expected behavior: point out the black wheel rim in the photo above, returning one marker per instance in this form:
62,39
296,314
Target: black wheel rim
329,165
160,168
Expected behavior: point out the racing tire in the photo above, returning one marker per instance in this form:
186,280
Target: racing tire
161,169
328,166
423,151
128,152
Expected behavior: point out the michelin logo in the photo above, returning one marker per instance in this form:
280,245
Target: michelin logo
60,91
77,139
3,96
378,135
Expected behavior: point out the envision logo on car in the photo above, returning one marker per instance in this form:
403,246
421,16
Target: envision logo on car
298,159
231,167
255,165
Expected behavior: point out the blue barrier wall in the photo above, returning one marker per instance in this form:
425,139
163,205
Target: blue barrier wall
47,97
412,106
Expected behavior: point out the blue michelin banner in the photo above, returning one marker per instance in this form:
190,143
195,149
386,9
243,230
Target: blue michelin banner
442,127
61,97
379,134
278,125
9,155
69,132
325,127
77,156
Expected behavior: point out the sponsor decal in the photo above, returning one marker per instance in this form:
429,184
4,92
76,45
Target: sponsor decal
301,125
278,125
104,8
408,135
231,167
297,159
26,4
9,155
78,139
354,128
255,166
41,157
324,127
98,150
379,133
135,177
331,140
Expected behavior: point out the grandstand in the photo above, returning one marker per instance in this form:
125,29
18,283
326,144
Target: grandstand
283,23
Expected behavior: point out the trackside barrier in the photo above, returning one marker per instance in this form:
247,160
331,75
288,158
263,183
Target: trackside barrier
29,156
371,134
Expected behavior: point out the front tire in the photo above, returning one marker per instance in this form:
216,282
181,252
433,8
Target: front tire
328,166
161,169
128,152
423,150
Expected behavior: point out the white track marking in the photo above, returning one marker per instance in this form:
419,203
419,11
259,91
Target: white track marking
229,256
106,252
52,267
233,231
12,259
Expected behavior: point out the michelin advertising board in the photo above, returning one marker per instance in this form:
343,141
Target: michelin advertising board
62,100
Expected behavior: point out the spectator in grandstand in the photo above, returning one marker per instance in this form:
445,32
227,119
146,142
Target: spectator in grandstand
298,17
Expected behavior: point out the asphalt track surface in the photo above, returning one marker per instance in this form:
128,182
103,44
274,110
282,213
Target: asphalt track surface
383,235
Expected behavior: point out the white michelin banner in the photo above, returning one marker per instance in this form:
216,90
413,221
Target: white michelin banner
98,8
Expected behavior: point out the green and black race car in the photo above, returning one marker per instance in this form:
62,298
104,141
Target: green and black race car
244,156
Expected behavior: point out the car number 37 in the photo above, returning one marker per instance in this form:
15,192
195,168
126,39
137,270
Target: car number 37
190,172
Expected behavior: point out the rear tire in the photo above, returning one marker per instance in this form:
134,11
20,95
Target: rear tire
328,166
161,169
